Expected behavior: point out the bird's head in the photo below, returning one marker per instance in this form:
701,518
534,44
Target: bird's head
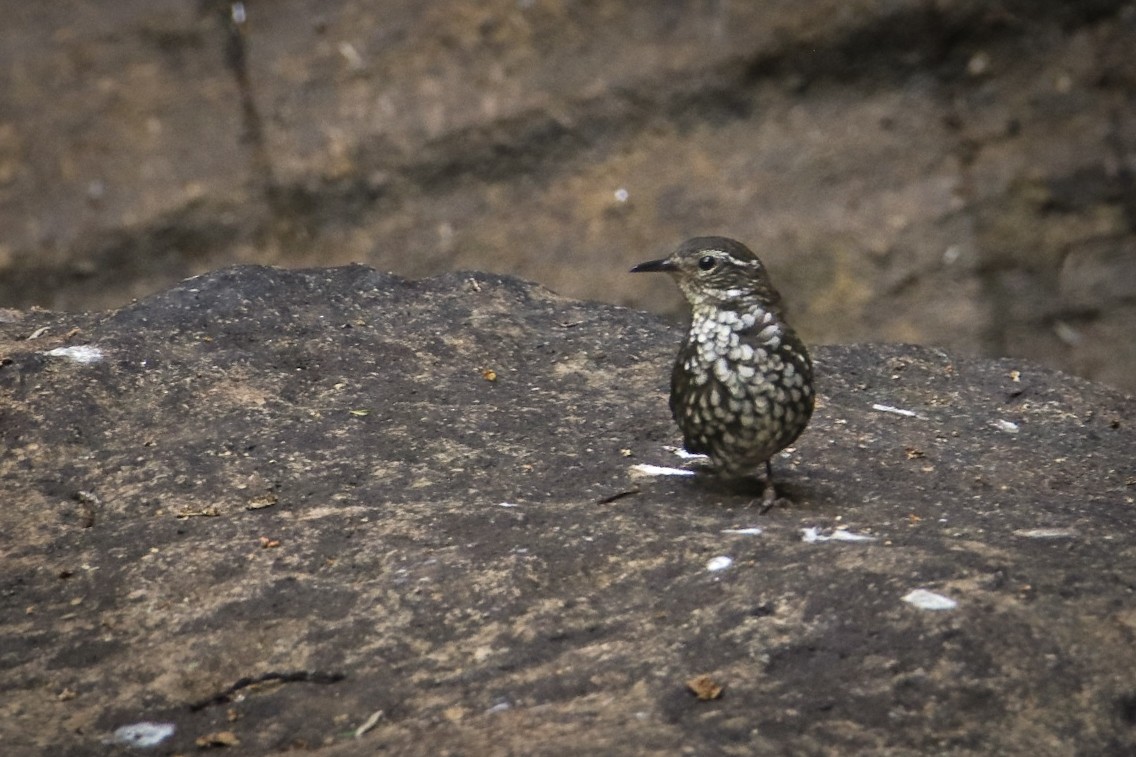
717,272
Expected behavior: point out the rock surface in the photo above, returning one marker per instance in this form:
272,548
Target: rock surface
954,173
413,502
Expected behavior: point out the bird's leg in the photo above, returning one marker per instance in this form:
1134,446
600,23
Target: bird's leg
769,496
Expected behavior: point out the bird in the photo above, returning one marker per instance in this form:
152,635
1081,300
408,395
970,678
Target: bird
742,384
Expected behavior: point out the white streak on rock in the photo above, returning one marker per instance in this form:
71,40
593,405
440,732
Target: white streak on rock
81,353
143,735
1046,533
1008,426
645,469
929,600
719,563
813,535
898,411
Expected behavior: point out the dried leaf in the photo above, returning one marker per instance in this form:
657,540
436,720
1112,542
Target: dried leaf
261,502
705,688
220,738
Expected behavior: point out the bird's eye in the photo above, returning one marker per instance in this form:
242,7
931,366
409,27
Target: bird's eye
707,262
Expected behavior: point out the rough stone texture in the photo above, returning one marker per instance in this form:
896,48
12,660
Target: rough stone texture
954,173
309,472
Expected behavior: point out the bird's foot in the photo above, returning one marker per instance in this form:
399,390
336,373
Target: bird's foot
770,498
702,467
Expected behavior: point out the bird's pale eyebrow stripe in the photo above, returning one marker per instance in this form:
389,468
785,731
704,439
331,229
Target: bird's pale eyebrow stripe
739,262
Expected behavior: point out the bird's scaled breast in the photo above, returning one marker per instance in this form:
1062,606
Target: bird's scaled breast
742,388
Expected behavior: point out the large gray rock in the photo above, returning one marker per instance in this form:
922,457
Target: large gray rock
404,497
954,173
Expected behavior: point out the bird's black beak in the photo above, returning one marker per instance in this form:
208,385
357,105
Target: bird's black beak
653,266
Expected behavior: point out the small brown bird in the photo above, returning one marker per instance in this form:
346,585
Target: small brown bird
742,386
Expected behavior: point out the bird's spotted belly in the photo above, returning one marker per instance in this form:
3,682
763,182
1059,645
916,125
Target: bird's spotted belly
741,412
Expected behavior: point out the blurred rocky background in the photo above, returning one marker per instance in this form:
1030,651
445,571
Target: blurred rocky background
950,172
